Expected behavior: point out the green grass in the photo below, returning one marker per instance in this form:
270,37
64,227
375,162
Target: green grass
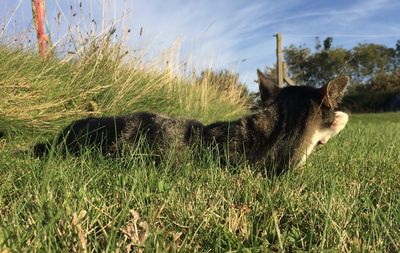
346,197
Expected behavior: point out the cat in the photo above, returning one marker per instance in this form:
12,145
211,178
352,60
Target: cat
282,134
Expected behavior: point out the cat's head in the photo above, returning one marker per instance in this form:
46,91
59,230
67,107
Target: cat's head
307,113
330,94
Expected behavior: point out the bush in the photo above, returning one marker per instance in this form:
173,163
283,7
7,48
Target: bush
367,101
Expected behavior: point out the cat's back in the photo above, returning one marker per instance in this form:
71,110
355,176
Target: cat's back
160,128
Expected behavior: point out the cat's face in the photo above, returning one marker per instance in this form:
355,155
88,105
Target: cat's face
323,132
332,128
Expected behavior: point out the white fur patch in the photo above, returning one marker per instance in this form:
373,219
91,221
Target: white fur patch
322,136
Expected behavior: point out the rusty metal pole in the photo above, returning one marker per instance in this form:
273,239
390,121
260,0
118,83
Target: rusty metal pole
39,15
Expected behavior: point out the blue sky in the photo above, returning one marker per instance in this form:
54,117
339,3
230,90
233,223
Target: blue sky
237,35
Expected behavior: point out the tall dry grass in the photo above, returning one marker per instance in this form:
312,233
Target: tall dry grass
45,94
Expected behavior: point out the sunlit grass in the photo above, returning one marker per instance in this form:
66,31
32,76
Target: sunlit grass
346,197
44,95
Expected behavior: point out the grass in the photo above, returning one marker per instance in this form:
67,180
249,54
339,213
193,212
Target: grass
52,92
346,197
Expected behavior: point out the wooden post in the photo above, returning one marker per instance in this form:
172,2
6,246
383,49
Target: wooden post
279,61
281,68
39,15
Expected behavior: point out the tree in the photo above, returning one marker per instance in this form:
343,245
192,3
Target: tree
371,66
328,43
317,44
315,69
384,81
396,56
370,59
296,59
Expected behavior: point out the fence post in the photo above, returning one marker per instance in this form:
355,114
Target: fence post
39,15
281,67
279,62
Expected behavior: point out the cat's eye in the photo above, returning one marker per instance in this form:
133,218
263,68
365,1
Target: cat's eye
328,117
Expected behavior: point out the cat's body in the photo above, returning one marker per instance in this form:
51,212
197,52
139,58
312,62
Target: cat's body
292,121
110,135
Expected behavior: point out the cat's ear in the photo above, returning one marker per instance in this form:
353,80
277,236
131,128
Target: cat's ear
333,92
268,88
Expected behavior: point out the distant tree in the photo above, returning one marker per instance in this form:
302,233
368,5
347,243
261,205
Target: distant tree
384,81
315,69
396,56
368,60
371,66
297,60
317,44
328,43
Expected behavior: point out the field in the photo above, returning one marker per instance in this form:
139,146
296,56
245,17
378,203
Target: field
346,197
